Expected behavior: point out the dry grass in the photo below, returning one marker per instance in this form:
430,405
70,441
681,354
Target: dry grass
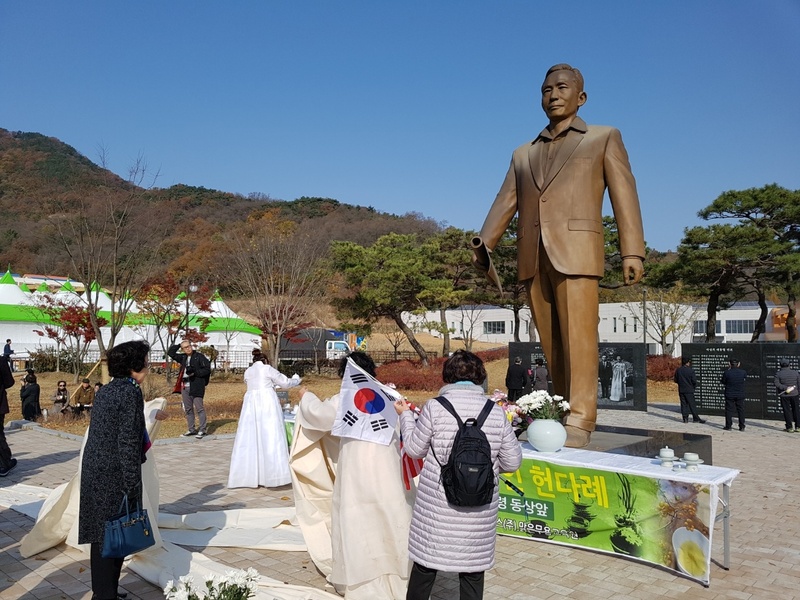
223,401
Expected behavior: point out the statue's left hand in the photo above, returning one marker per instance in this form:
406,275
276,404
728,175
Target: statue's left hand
632,270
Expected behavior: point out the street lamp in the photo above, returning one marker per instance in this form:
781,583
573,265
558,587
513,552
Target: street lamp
644,318
190,289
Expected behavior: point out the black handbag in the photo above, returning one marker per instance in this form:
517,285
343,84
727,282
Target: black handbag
127,533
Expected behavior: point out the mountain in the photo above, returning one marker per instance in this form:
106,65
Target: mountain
40,176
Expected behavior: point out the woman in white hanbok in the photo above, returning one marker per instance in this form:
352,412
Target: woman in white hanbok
351,502
260,452
618,391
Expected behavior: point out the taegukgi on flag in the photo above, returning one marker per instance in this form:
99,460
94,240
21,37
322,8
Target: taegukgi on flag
366,410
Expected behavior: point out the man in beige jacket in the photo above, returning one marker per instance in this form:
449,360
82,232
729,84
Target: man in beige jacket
556,184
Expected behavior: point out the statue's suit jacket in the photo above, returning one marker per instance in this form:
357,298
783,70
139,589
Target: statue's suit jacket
562,205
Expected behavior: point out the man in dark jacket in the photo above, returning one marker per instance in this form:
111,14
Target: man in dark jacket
195,371
733,379
516,379
787,382
605,373
684,377
7,462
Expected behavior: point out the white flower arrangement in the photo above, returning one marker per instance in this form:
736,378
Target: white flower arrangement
541,405
235,585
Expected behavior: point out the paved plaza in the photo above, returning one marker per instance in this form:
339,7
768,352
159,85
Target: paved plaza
765,525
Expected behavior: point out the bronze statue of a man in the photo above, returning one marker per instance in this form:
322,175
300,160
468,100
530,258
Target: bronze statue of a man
556,184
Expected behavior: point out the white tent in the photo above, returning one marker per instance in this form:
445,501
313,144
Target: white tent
20,319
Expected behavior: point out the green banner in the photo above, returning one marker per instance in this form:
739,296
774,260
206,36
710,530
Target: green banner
660,521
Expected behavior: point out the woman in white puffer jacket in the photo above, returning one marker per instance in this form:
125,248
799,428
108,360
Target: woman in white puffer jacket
445,537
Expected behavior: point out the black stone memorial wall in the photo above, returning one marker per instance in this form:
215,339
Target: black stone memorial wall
761,361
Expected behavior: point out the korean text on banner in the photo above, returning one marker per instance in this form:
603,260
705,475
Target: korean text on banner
660,521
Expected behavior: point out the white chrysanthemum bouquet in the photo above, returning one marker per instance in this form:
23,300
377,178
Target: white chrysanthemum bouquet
235,585
541,405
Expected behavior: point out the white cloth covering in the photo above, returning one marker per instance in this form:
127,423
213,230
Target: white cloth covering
313,459
259,528
57,520
260,455
56,512
370,510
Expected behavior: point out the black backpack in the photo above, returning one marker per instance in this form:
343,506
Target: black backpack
468,476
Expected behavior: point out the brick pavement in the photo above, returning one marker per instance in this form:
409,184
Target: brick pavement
765,526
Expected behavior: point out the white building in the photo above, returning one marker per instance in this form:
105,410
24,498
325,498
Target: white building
618,322
479,322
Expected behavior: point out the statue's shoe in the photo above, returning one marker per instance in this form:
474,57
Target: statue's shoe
577,438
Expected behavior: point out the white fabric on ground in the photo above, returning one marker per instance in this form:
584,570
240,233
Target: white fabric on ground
57,516
259,528
170,562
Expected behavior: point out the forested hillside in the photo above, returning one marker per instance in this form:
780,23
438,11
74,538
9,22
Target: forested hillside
44,182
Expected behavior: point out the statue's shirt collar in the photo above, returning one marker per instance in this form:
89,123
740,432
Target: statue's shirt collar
577,124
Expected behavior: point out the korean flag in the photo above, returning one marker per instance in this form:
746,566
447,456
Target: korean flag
366,410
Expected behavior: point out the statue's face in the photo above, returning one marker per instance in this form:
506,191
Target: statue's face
561,96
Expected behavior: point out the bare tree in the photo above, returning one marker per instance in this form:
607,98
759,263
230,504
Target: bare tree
393,334
470,318
669,313
111,238
279,268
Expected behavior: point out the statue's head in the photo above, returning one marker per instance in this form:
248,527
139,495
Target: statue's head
562,92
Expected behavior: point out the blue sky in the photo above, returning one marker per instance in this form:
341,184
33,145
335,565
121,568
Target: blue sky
409,106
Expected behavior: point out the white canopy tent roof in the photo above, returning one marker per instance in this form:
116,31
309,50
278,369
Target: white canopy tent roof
20,320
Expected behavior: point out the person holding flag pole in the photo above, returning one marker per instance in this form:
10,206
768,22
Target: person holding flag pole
347,475
445,537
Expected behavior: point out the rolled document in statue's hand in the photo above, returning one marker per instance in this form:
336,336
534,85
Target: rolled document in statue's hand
483,261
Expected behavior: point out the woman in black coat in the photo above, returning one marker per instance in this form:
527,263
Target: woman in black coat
29,393
112,458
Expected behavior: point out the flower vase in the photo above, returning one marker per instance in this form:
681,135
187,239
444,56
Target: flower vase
546,435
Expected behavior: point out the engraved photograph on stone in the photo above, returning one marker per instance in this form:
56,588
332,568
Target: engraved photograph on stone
615,384
622,372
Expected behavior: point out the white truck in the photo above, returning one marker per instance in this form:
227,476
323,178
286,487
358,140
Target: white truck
336,349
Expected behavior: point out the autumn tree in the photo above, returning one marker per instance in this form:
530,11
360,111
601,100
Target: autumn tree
170,310
70,324
278,265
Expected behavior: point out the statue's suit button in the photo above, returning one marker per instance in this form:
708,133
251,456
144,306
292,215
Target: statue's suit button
543,199
536,223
